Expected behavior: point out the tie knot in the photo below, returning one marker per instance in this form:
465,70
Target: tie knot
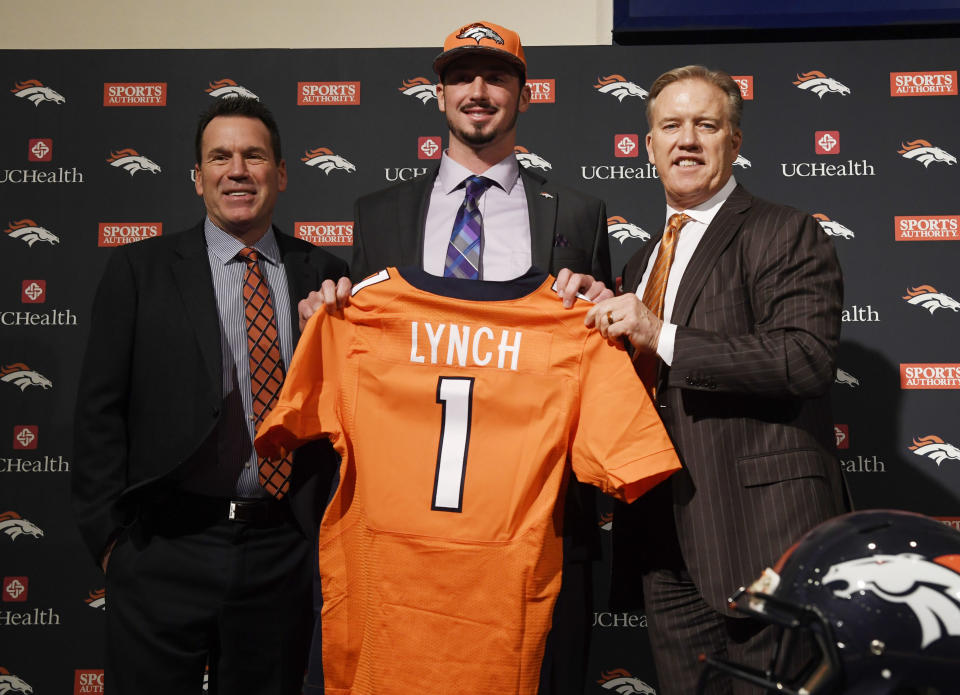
249,255
676,222
477,185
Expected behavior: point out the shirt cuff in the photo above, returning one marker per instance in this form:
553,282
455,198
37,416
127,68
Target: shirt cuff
668,336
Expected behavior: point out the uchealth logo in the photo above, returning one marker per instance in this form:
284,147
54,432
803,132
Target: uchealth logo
328,93
429,147
97,599
543,91
20,375
420,88
87,681
935,449
324,159
33,292
13,526
15,589
10,683
132,161
621,681
832,227
745,82
228,89
40,150
621,230
930,376
841,434
25,436
817,83
325,233
620,87
925,153
122,233
826,142
846,379
927,227
742,162
530,159
134,93
927,297
29,232
626,145
35,91
923,84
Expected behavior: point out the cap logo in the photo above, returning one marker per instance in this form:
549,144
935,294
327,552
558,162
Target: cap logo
478,32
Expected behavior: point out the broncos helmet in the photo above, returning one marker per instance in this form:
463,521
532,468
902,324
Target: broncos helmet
874,596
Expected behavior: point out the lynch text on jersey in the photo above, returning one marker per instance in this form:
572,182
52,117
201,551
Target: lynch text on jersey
449,343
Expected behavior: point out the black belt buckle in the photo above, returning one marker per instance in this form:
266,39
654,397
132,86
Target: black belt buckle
256,511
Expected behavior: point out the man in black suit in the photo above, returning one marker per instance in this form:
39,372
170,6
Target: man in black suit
202,565
741,360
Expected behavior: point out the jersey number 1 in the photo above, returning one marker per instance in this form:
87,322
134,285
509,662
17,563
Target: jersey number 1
456,395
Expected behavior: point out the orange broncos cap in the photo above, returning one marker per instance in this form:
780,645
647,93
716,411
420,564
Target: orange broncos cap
482,37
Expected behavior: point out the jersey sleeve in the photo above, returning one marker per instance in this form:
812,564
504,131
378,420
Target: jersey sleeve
619,443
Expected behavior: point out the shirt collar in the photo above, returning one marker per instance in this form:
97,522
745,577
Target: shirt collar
504,173
707,210
226,246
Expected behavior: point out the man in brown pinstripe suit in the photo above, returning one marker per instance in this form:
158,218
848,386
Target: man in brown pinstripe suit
744,356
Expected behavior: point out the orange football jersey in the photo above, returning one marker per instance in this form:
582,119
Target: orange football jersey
458,407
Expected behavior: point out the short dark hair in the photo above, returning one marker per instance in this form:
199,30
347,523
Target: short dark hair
239,106
718,78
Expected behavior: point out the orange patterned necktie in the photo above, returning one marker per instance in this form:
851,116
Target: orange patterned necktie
656,290
266,363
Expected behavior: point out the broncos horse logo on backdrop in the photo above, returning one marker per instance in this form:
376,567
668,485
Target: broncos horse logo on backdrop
620,87
21,375
742,162
843,377
529,159
132,161
620,681
818,83
833,228
621,230
935,448
926,296
324,159
925,153
478,32
10,683
419,87
930,588
29,232
35,91
14,526
229,89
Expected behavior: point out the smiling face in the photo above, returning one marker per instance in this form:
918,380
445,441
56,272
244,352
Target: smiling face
482,97
238,176
692,141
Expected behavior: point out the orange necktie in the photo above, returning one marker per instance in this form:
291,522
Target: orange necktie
266,363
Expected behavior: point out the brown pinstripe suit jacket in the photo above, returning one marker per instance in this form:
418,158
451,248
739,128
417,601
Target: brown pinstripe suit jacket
746,399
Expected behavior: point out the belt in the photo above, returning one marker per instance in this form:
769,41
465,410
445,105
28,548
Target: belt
186,508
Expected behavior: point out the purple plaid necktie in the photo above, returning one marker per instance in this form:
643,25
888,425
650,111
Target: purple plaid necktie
463,251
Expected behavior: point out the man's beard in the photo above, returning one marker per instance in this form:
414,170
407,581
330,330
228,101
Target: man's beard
476,137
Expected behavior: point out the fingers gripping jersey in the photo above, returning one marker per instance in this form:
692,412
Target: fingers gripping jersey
457,406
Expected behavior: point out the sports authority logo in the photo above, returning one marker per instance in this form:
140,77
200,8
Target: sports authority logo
530,159
818,83
325,233
87,681
13,526
932,447
620,87
21,376
927,228
928,587
40,150
621,681
420,88
132,161
542,91
324,159
842,435
429,147
923,84
833,228
742,162
33,292
15,589
745,82
228,89
97,599
826,142
929,376
10,683
36,91
926,296
925,153
951,521
29,232
846,378
478,32
621,230
25,436
134,93
626,145
328,93
120,233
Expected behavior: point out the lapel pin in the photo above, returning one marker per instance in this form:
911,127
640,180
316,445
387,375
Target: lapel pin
546,195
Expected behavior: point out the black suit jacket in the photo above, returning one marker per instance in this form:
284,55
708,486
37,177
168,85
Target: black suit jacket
568,229
151,388
746,398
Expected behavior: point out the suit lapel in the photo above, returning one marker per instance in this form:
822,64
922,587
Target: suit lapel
420,200
542,211
301,276
191,273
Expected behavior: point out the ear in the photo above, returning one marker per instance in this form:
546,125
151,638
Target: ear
649,142
525,95
282,175
441,104
736,139
197,179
